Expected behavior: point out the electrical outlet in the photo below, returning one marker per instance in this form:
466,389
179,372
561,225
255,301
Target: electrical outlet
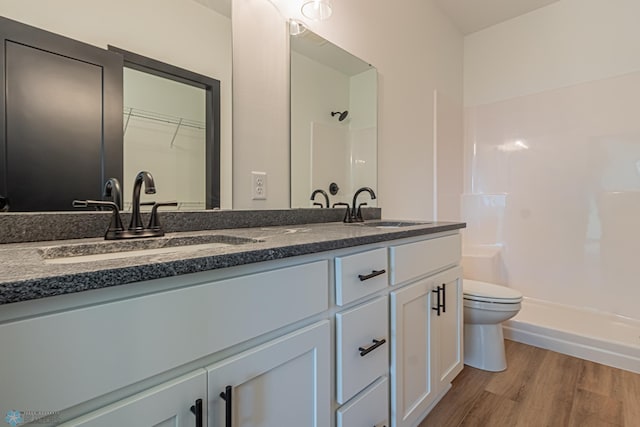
258,185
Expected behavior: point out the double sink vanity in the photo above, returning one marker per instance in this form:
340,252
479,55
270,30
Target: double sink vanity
252,318
242,318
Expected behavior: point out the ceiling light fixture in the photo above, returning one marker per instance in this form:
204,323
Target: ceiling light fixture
317,10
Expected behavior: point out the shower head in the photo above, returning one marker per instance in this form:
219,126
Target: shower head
341,116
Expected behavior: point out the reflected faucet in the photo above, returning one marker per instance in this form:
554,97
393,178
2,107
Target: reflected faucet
356,215
113,192
145,178
324,193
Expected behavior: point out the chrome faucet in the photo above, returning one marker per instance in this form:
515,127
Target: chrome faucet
356,214
145,178
324,193
113,192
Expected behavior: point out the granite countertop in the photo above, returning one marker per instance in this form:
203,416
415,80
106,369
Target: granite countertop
26,273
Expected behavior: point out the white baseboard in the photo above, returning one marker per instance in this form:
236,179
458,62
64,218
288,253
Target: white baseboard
606,353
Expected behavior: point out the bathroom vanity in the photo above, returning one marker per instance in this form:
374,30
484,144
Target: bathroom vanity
325,324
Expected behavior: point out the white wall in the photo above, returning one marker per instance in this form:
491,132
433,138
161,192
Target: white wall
565,43
415,49
261,103
179,32
552,151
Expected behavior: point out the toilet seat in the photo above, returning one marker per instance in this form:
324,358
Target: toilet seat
474,290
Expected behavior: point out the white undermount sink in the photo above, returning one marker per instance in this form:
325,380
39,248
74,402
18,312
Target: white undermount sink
72,253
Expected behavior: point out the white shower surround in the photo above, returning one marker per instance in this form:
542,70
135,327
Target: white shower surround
554,179
552,172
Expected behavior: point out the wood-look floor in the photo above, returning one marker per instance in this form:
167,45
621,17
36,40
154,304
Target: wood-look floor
540,388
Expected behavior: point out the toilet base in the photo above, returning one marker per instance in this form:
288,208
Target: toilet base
484,347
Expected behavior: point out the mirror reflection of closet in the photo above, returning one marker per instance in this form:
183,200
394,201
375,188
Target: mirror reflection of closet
171,130
333,120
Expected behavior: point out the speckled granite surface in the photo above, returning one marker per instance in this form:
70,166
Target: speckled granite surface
37,226
26,274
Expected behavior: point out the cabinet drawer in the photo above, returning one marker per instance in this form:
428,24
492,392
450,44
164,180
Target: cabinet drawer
361,354
368,409
101,348
360,274
420,258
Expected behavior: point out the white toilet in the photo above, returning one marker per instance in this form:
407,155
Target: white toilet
486,306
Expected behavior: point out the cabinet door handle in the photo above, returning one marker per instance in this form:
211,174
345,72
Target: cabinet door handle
438,303
444,299
197,411
226,395
373,274
376,343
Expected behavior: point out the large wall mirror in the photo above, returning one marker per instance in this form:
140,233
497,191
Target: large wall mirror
192,35
333,120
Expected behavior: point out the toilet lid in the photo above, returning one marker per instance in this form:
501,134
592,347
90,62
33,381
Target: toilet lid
483,291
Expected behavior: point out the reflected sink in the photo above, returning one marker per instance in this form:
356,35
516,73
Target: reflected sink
389,224
115,249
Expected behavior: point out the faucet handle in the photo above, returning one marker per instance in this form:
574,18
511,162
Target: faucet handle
317,204
347,214
154,222
115,226
358,215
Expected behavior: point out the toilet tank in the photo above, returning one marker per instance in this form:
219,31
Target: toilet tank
484,263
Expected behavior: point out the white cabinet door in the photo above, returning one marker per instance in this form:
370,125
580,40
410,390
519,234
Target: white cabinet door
447,328
426,345
411,353
169,404
284,382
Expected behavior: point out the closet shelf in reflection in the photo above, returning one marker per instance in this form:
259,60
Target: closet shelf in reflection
179,122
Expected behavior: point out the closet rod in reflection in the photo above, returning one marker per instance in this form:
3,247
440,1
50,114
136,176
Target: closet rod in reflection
162,118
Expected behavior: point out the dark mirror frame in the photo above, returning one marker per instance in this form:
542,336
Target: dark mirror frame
212,112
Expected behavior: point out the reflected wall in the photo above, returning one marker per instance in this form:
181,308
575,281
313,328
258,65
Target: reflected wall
333,121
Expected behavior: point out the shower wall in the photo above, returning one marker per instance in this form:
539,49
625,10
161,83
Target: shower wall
552,151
